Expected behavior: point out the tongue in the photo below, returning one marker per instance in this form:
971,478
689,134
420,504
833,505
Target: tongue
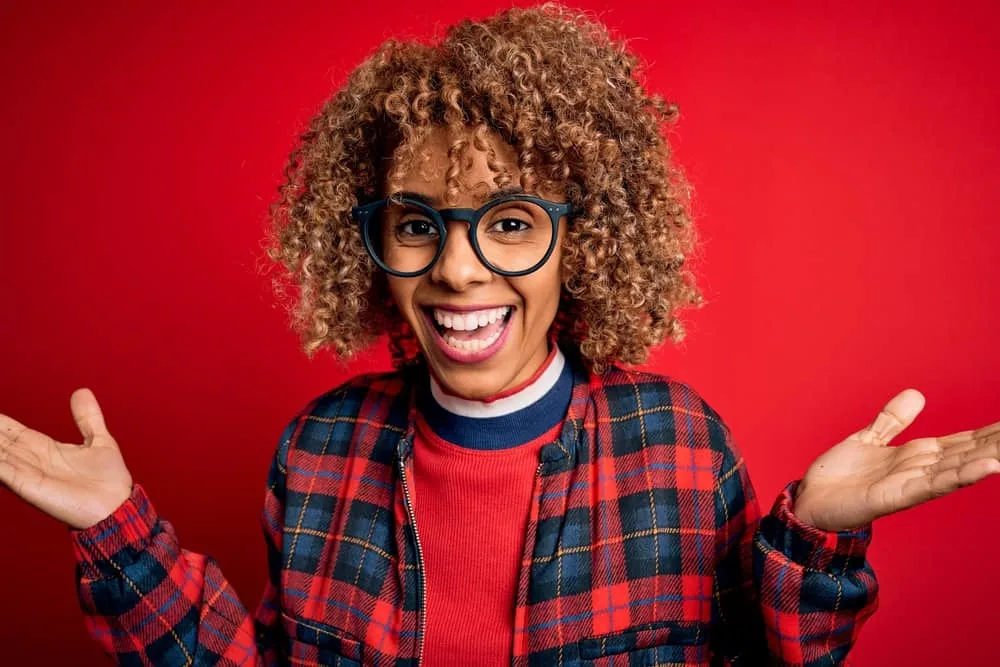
482,333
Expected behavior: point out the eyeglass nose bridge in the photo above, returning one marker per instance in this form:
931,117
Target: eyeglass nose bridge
469,215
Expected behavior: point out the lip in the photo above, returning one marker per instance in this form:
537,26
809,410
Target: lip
461,356
464,309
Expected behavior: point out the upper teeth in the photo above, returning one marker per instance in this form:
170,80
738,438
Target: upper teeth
470,320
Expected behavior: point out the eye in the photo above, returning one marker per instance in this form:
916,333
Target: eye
417,228
510,225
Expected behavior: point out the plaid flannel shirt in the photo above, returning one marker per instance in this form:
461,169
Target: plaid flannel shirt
645,545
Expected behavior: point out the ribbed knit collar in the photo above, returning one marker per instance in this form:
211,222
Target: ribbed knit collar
507,419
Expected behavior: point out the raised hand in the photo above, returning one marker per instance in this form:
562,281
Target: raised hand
77,484
863,478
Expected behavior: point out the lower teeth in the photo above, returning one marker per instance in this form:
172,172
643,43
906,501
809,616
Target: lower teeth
473,345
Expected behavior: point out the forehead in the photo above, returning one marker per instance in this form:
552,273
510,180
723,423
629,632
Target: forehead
474,178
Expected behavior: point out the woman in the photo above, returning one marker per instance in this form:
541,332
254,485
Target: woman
504,205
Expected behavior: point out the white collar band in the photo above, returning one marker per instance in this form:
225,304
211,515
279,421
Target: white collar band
524,397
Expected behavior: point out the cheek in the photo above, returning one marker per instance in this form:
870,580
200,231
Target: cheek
541,295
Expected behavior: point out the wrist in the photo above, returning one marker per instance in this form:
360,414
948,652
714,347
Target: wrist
100,510
804,501
130,526
798,508
805,543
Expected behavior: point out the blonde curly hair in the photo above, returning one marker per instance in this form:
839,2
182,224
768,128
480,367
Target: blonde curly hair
555,85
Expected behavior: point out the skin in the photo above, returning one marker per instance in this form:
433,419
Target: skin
459,278
851,484
863,478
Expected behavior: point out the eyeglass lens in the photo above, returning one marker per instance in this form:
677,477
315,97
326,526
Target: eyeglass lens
513,236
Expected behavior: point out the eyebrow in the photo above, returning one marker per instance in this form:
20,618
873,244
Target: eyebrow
493,196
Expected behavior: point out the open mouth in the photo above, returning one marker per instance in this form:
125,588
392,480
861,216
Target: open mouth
469,332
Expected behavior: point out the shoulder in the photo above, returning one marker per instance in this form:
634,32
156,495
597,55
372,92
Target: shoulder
349,398
659,409
325,424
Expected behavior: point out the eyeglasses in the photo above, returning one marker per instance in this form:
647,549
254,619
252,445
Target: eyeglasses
512,236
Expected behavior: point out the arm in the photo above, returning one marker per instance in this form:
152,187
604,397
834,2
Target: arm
786,593
148,601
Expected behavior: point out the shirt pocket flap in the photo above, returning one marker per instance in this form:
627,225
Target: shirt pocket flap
660,633
328,640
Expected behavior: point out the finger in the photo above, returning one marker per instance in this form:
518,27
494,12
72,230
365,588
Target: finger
948,448
951,445
955,443
959,447
987,431
897,414
921,453
920,486
87,413
984,433
958,459
961,436
964,475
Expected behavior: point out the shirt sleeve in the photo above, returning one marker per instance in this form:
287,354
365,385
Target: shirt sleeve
785,592
147,601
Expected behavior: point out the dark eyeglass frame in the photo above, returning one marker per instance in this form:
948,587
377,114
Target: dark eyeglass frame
363,215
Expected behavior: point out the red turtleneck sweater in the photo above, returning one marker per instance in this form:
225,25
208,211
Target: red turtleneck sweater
472,508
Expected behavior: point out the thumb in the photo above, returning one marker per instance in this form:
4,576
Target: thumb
897,414
87,413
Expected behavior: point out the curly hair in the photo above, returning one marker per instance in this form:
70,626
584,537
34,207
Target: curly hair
566,95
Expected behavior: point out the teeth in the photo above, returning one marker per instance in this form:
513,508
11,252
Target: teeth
472,345
469,321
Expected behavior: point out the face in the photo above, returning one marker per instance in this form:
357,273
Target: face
459,292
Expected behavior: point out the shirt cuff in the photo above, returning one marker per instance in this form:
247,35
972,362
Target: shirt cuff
128,529
808,545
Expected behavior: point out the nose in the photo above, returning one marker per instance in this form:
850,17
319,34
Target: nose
458,266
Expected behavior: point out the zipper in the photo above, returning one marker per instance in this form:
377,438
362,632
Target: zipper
526,557
422,605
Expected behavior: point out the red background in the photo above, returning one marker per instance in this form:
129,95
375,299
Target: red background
844,160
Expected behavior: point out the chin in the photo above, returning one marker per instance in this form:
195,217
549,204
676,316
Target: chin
475,384
470,378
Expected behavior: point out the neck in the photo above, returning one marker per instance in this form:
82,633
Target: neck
539,360
509,400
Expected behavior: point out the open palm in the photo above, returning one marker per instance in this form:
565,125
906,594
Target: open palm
863,478
77,484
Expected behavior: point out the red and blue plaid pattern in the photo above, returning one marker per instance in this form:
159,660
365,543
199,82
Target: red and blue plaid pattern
645,545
